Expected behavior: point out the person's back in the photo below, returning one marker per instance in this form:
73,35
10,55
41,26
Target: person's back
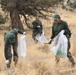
11,36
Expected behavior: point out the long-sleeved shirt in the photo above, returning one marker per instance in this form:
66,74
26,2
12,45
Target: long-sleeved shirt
11,36
56,29
37,26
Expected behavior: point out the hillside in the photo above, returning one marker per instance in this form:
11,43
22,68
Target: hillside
40,60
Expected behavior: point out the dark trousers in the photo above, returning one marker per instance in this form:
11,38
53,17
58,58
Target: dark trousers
33,36
35,32
8,53
69,54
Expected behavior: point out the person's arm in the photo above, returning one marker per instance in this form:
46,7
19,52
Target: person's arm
52,36
53,33
40,27
35,24
19,31
67,30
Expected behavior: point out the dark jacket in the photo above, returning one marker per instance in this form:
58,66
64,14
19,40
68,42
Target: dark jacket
11,37
37,26
56,29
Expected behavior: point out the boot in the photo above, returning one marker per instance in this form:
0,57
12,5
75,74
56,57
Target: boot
57,59
15,60
73,64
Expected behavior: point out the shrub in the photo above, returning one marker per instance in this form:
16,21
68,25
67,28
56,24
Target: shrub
2,19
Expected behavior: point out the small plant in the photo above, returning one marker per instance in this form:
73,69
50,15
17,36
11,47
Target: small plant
63,7
2,19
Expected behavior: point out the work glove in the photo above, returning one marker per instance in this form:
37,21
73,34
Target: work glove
7,62
24,33
50,41
38,26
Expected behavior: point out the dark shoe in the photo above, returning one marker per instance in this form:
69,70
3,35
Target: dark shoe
15,60
73,64
8,65
57,58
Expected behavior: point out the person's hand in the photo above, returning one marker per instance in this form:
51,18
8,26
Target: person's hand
68,35
38,26
24,33
50,41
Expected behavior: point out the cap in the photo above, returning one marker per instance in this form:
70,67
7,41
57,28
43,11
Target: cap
38,15
56,16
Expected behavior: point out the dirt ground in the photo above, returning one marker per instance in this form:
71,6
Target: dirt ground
40,60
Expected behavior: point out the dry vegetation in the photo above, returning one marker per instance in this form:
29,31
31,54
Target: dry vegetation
40,60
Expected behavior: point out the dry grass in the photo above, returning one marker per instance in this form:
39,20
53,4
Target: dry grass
40,60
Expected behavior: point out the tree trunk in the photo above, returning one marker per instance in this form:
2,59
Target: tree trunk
15,19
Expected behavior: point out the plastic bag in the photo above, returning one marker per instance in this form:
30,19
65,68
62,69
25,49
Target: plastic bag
60,44
22,46
41,38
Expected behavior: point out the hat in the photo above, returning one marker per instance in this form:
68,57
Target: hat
38,15
11,37
56,16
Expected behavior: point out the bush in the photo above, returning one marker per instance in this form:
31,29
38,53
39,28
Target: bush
2,20
63,7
